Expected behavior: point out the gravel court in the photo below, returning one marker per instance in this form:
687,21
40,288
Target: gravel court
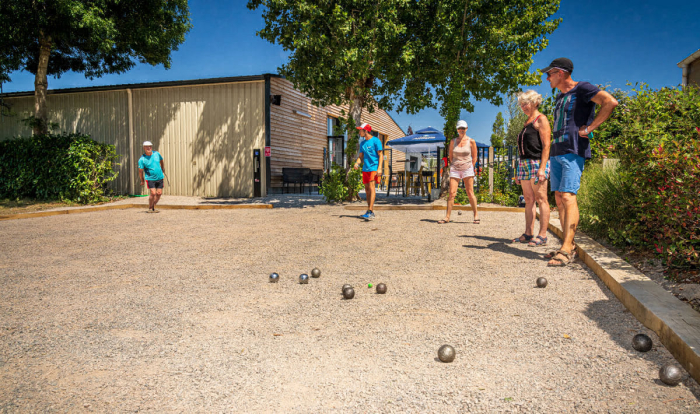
100,312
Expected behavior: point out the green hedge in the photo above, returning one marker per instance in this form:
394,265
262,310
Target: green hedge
68,167
652,200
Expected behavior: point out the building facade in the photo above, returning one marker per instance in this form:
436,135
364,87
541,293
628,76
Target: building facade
209,131
691,69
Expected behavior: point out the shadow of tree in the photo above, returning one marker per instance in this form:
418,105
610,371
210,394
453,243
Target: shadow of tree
230,125
154,113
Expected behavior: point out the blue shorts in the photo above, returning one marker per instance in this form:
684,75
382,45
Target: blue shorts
565,173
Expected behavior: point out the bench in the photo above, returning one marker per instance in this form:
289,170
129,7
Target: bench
295,176
315,178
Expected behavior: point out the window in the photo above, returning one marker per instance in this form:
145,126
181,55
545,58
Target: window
337,144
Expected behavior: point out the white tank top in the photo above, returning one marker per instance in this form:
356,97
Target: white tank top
462,155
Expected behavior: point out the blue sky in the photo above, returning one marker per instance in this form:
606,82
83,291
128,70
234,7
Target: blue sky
610,42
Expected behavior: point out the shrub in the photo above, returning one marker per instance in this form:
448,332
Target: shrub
652,200
337,186
660,157
605,204
461,197
67,167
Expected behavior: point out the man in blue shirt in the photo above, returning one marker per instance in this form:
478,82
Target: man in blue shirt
371,159
151,163
574,121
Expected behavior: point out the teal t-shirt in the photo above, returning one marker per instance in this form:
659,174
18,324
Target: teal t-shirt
151,166
370,148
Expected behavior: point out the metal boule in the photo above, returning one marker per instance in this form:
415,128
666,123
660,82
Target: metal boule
641,342
349,293
381,288
315,272
670,374
459,212
446,353
304,279
274,278
541,282
345,286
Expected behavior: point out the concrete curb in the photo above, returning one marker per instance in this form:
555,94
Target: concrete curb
434,207
676,323
125,206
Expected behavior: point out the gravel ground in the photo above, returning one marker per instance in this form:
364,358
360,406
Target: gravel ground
127,311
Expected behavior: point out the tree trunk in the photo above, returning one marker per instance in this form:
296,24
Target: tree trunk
40,85
353,148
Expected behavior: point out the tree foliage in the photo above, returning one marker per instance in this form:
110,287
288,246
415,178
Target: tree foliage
94,37
408,55
499,131
516,121
480,50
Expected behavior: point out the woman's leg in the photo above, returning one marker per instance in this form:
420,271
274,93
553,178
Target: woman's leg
454,183
540,191
469,187
529,194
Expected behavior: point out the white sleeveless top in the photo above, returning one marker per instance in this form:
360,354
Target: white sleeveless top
462,155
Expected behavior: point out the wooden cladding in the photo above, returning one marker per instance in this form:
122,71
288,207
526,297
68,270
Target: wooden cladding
298,130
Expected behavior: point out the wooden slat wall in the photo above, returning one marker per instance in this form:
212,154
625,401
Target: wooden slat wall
694,73
298,141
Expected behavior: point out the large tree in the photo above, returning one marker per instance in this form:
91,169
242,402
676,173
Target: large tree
406,54
94,37
476,50
342,52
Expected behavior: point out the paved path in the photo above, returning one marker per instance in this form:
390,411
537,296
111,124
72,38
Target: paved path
123,311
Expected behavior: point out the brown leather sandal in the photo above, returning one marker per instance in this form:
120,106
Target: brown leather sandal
562,257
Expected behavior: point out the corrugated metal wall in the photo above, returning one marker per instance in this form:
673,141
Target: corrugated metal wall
102,115
206,133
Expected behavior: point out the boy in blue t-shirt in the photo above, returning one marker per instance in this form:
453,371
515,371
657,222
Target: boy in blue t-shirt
574,121
151,163
371,159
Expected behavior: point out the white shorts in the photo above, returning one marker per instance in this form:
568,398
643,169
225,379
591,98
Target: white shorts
460,175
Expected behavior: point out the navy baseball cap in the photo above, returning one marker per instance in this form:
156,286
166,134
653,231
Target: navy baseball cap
560,63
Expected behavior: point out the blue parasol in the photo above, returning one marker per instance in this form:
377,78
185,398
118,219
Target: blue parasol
427,140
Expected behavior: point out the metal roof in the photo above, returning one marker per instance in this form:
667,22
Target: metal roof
231,79
690,59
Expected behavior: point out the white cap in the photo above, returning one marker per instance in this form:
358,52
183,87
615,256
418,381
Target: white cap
461,124
147,144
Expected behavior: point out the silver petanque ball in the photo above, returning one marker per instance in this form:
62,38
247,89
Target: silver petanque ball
641,343
541,282
670,374
459,212
349,293
315,272
345,286
304,279
381,288
446,353
274,278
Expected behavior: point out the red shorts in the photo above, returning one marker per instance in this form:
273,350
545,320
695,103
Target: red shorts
368,177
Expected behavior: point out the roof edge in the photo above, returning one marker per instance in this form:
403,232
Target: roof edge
206,81
690,59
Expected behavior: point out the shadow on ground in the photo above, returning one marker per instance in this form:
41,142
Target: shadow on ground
602,311
504,246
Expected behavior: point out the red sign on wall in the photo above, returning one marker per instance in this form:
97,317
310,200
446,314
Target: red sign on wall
267,151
